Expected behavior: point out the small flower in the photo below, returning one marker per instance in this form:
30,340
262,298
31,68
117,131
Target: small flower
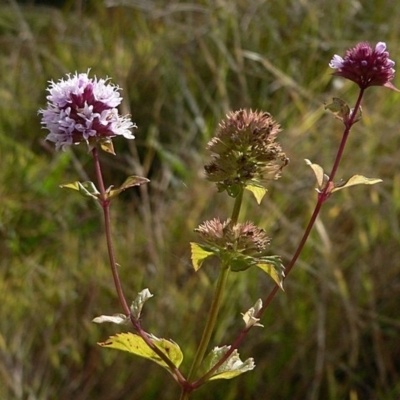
365,66
82,109
245,151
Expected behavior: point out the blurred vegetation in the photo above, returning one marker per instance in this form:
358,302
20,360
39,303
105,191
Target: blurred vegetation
334,334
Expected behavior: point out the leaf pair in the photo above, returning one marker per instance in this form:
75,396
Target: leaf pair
322,179
134,344
88,188
271,265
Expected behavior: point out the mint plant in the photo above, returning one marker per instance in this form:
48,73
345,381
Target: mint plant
245,158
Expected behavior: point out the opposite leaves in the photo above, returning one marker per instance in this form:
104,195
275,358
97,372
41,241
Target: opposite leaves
231,368
134,344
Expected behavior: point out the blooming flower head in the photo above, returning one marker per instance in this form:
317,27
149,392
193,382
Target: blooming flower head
365,66
245,151
82,109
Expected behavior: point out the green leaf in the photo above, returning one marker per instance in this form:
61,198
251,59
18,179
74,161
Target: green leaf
342,111
119,319
356,180
258,192
86,189
137,304
231,368
274,268
319,173
233,190
338,108
199,255
134,344
240,262
131,181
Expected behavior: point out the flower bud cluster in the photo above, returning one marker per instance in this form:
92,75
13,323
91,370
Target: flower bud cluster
245,238
245,151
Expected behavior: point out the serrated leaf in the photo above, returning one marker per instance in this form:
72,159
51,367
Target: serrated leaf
199,255
129,182
134,344
231,368
274,268
137,304
86,189
249,316
258,192
119,319
318,172
356,180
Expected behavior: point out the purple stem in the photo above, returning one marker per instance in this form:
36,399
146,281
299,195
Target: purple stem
105,204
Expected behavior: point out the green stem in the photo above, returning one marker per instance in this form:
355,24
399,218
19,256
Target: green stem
215,306
236,208
211,320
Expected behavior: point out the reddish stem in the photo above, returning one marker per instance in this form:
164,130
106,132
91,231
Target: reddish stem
105,204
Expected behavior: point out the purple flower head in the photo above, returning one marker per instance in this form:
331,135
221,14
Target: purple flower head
365,66
82,109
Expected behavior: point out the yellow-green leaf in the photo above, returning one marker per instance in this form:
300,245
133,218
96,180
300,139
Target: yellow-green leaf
107,146
318,171
356,180
258,192
129,182
272,271
134,344
199,255
86,189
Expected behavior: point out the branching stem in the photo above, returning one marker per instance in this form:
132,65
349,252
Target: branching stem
322,197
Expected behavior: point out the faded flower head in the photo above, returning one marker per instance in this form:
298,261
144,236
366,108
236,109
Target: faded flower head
82,109
244,238
365,66
245,151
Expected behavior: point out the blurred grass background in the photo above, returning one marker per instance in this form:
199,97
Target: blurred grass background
334,334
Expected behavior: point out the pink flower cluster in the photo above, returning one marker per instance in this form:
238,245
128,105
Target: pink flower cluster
83,109
365,66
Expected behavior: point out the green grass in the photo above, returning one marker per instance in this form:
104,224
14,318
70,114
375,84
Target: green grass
332,335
